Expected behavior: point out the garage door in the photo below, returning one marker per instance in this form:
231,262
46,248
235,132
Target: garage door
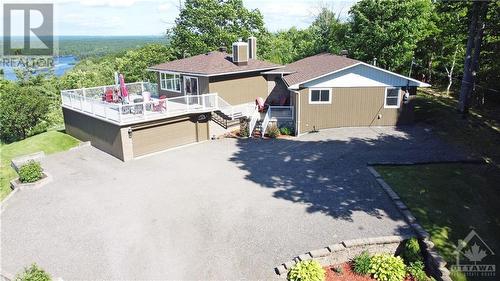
158,137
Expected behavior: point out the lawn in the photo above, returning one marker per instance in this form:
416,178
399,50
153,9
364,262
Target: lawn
49,142
451,199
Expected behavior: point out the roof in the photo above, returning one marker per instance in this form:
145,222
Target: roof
311,67
320,65
212,64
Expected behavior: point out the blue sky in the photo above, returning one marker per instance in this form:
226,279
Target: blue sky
153,17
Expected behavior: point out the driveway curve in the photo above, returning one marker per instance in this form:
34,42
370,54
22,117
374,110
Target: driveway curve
225,209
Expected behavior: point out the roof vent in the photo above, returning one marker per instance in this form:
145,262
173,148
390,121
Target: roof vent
252,47
240,53
344,53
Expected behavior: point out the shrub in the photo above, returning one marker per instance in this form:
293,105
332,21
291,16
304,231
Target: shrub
361,263
33,273
273,131
416,270
385,267
411,251
30,172
456,275
309,270
286,131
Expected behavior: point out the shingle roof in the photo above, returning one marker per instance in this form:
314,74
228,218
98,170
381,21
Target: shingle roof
213,63
314,66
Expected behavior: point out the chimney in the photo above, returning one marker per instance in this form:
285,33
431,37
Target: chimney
344,53
240,53
223,49
252,47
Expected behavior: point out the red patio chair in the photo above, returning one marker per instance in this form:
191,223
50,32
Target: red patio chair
161,106
109,95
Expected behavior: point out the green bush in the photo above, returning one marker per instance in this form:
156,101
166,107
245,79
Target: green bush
273,131
309,270
385,267
456,275
286,131
361,263
30,172
416,270
411,251
33,273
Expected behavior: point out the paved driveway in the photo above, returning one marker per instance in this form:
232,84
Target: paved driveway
223,209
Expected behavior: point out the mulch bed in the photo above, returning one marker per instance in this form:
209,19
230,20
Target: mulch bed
346,274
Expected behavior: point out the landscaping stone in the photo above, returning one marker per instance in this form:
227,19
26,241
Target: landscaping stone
304,257
17,162
280,270
16,184
420,230
336,247
319,253
373,172
289,264
408,216
400,205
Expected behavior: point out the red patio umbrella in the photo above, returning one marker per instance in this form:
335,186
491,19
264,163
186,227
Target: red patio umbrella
123,87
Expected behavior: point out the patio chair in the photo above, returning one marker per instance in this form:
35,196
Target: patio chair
108,96
161,105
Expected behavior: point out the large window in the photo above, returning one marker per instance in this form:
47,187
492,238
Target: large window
170,81
320,96
190,85
392,97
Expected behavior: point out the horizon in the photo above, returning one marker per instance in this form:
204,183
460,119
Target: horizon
153,17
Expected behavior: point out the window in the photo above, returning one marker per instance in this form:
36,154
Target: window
190,85
320,96
392,98
170,82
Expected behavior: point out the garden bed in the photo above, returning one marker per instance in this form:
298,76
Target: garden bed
344,272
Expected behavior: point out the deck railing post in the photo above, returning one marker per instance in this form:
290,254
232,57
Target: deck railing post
120,112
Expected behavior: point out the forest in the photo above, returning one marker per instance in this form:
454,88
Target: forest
424,38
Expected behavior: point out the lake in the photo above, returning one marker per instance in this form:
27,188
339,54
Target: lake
61,65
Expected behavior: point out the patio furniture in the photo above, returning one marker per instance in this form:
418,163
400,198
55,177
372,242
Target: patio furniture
161,105
138,108
108,96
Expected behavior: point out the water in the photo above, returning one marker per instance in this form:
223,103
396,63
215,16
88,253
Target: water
62,64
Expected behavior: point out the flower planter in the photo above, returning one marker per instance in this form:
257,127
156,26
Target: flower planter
16,184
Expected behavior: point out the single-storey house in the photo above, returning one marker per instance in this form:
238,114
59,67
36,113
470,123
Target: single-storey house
199,97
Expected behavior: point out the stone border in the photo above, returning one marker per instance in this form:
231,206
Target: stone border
15,184
433,261
17,162
81,144
346,251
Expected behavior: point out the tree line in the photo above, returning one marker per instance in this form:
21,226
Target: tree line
424,37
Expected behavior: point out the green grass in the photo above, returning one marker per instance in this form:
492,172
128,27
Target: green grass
49,142
451,199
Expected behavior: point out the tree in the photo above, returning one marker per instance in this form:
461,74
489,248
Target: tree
205,25
135,62
388,30
328,32
22,108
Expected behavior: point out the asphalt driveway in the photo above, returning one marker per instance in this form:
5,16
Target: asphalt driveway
223,209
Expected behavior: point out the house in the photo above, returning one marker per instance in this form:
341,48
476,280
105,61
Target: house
330,91
198,97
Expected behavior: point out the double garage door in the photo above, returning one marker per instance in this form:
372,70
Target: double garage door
154,137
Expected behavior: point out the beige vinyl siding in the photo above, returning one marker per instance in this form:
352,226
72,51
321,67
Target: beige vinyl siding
237,89
351,107
102,135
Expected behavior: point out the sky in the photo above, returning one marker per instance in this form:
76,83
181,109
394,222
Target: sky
153,17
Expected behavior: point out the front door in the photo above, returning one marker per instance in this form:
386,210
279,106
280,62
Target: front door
191,90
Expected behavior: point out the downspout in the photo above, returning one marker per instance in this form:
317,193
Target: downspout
297,113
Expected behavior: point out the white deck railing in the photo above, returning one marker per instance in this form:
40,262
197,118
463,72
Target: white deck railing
90,101
281,112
